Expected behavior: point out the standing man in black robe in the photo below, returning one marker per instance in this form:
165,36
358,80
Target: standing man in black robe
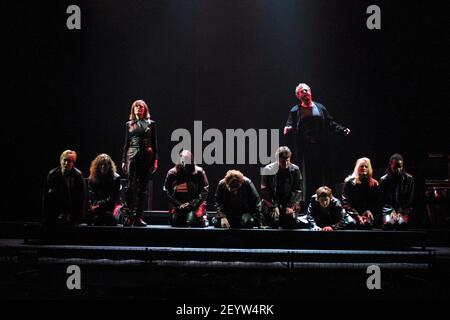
311,123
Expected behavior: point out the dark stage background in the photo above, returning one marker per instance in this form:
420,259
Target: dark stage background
231,64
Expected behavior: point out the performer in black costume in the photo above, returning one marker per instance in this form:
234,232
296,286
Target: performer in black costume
326,213
187,187
64,197
103,192
238,203
281,192
360,197
311,123
397,194
139,160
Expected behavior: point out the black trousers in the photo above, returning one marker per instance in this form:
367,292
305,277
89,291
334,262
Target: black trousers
138,176
315,164
186,219
285,221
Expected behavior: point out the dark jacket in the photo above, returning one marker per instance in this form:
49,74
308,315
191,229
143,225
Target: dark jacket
332,216
140,141
293,193
397,192
325,124
64,198
357,198
104,193
247,200
196,184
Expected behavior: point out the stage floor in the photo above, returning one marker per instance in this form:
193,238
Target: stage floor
159,262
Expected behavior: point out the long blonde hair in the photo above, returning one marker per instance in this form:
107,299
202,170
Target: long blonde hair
356,176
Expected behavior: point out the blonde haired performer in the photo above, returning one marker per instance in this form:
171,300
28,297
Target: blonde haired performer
360,196
64,197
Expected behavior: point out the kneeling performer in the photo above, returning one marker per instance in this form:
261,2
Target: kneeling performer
237,202
281,191
187,186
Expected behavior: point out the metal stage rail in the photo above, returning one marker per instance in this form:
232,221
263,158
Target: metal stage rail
166,236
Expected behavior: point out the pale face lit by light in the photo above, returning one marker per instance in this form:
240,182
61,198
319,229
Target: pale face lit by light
139,110
363,169
68,162
304,93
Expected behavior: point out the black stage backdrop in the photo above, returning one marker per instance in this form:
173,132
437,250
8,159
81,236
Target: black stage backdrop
228,63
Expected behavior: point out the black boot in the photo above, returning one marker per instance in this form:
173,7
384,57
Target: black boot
128,217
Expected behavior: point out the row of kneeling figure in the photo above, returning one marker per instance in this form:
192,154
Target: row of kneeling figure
365,202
